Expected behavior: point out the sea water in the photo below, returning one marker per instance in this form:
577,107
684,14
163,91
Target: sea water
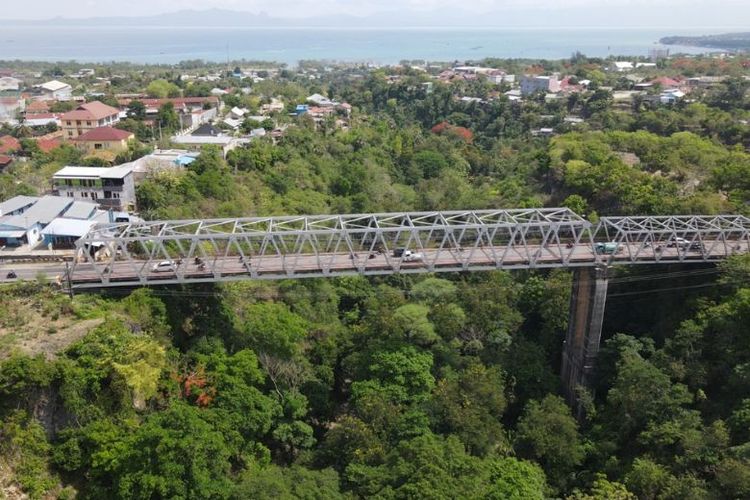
154,44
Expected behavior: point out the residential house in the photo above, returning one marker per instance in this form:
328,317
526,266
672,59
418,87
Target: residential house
5,162
9,145
38,107
110,187
321,101
10,108
9,83
196,142
275,106
671,96
22,222
533,84
51,220
193,111
42,119
88,116
105,139
621,66
207,130
54,91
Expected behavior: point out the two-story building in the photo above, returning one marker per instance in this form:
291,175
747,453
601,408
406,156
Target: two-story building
533,84
112,188
103,139
88,116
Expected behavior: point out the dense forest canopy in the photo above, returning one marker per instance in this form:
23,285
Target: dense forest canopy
436,386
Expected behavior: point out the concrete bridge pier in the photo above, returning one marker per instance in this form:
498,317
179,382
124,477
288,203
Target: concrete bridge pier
584,332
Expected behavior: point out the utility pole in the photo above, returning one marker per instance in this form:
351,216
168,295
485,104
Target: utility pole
68,279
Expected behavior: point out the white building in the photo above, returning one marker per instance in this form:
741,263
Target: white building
534,84
55,91
9,83
620,66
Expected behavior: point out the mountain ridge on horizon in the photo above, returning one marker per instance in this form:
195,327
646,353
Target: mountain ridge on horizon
513,17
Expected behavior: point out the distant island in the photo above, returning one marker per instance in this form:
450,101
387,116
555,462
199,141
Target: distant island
728,41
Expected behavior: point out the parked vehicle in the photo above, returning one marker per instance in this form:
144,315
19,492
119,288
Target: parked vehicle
11,275
165,266
409,256
609,248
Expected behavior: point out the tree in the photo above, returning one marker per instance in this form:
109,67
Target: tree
176,453
167,118
136,110
513,479
470,405
273,482
271,328
547,432
161,89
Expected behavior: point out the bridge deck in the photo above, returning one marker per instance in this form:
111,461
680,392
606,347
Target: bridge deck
370,244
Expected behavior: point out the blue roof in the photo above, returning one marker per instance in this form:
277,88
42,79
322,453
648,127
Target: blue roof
184,160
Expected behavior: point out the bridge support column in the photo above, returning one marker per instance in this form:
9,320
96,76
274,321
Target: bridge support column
584,332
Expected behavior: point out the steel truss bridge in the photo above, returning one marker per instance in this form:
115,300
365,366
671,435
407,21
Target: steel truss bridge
290,247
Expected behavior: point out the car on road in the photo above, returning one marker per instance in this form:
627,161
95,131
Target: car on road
409,256
685,244
165,266
608,248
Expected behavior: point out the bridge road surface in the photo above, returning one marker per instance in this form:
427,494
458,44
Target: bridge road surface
29,271
137,272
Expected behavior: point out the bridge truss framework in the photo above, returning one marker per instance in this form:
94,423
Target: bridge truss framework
124,254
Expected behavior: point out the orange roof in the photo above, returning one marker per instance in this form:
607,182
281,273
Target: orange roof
8,144
104,134
38,107
47,145
5,160
94,110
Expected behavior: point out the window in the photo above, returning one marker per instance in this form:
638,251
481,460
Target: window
85,194
88,124
68,123
93,196
68,182
70,194
98,146
70,133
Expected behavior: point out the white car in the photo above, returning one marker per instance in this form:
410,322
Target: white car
409,256
165,266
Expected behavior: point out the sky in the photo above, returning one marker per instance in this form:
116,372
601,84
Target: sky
736,12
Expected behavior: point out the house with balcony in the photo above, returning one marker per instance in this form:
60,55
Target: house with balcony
110,187
88,116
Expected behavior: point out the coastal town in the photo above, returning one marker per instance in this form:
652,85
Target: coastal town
389,250
122,133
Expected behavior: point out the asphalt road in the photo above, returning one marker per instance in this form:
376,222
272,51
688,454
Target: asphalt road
330,264
275,266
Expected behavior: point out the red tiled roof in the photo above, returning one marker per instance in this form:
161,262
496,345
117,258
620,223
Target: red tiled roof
93,110
47,145
665,81
5,160
8,144
37,107
42,116
177,101
104,134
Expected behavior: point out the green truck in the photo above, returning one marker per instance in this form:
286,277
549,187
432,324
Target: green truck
609,248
